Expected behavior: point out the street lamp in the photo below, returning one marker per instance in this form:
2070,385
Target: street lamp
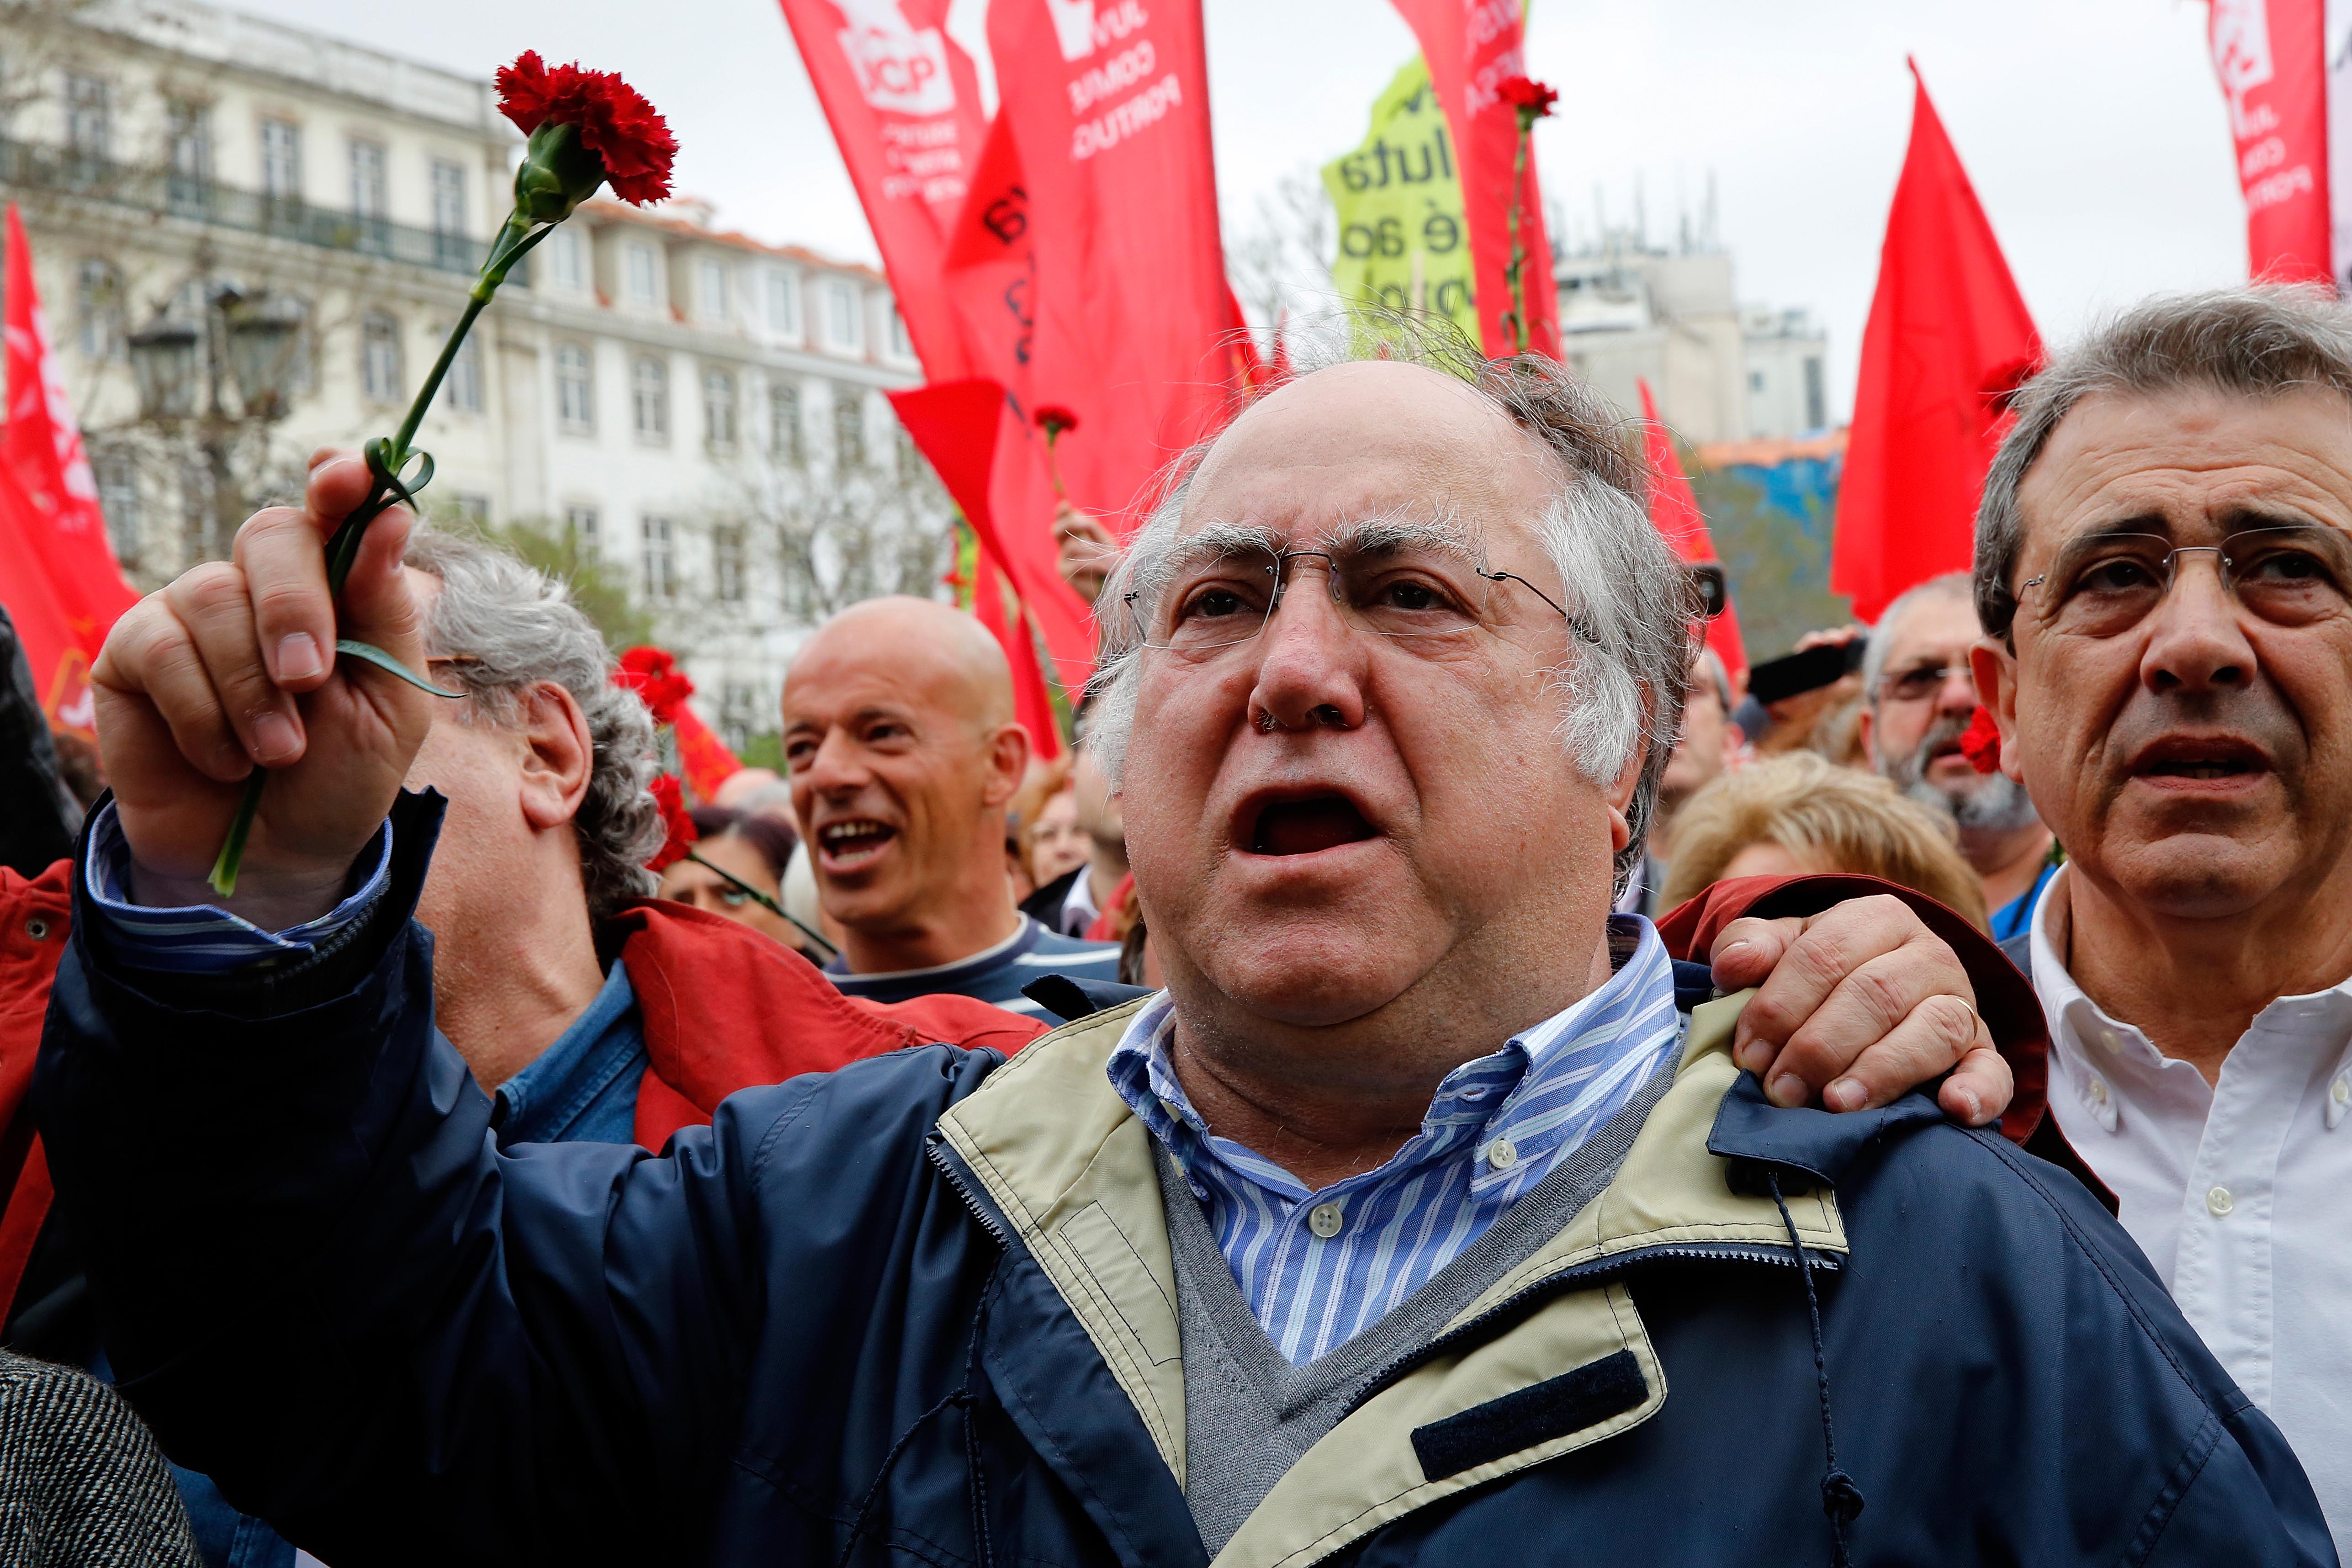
247,340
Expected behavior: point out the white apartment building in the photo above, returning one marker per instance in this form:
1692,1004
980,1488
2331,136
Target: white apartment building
1720,371
702,411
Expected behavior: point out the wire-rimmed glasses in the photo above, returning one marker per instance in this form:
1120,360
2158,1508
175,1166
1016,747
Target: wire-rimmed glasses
2105,584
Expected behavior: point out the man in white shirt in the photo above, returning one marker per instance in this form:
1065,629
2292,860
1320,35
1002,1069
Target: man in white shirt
2164,570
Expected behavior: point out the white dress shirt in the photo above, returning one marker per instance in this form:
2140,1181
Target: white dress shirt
2240,1191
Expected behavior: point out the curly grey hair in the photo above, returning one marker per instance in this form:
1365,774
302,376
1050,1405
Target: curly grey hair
2258,341
509,628
1628,671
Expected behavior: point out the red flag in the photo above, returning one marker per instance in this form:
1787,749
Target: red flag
1948,340
57,573
702,756
968,429
2272,57
1472,46
1673,511
904,104
1106,103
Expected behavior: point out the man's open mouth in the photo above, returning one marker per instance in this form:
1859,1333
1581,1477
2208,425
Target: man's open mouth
1304,827
2201,759
849,845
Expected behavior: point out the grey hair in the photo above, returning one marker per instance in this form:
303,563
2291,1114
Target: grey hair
2260,341
1950,586
511,629
1628,668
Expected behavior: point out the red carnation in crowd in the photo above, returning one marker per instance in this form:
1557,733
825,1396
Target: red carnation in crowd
680,833
613,118
1055,420
1981,742
654,675
1532,99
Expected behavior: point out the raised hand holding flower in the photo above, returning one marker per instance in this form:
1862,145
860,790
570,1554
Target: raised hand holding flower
586,129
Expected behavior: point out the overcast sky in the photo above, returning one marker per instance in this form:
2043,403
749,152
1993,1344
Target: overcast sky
2093,128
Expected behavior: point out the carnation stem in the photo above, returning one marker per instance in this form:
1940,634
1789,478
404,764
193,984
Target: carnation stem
1519,317
389,461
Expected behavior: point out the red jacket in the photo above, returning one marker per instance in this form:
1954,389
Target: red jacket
722,1006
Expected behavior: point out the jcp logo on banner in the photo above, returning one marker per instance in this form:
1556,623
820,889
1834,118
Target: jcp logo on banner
897,67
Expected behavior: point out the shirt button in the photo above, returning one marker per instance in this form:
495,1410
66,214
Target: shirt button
2098,1092
2113,1041
1324,1220
2219,1202
2340,1091
1502,1154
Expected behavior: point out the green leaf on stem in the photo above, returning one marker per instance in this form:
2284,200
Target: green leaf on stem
389,665
222,875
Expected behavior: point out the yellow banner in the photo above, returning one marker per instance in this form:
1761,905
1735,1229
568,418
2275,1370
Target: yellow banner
1402,243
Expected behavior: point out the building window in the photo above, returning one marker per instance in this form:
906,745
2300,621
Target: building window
661,564
464,380
710,291
89,117
189,126
450,242
474,507
738,711
581,523
784,303
370,197
727,563
568,260
118,498
97,307
848,429
281,160
575,389
718,410
641,276
841,315
1755,381
380,376
1816,413
784,443
649,398
899,342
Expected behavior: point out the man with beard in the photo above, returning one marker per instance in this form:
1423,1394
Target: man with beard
2164,570
1919,697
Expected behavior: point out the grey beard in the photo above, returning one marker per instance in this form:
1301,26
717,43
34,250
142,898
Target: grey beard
1993,806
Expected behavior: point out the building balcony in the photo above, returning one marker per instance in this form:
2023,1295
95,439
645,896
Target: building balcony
173,195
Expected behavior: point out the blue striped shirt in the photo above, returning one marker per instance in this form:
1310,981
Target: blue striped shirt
199,939
1497,1127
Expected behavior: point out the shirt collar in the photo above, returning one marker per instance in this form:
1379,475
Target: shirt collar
1024,937
2102,1057
539,1102
1540,1071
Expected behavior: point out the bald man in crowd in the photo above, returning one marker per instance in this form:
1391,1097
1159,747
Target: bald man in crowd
904,753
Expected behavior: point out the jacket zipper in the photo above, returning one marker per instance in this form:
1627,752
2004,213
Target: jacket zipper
935,1150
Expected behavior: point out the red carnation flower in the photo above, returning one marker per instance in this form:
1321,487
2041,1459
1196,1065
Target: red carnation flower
1532,99
678,833
1056,420
1982,742
654,675
613,119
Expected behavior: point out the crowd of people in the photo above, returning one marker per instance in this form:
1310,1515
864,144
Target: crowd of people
1441,1067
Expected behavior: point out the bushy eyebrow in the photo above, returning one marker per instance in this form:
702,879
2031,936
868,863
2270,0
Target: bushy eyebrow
1379,535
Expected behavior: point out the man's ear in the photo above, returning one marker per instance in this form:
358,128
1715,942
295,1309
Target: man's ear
558,756
1995,668
1008,764
1620,796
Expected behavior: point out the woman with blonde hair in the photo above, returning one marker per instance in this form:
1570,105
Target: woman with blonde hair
1798,813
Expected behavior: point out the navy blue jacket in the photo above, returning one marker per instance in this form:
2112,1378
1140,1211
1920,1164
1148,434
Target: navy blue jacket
904,1312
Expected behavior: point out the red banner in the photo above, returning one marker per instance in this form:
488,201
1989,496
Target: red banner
1472,47
1131,325
2272,57
1673,511
1947,341
904,104
58,571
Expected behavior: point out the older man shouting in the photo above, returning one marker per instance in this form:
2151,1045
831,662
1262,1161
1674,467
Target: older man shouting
2164,565
1413,1222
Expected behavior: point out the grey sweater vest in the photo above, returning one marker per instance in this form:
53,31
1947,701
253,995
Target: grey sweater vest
1249,1414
